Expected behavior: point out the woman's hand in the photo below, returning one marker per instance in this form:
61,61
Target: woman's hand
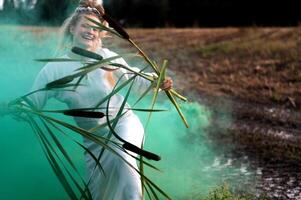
166,84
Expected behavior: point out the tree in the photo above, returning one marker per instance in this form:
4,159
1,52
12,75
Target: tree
54,11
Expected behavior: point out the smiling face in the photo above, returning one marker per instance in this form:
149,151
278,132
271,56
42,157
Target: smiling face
83,35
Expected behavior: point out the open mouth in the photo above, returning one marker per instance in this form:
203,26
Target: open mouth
88,36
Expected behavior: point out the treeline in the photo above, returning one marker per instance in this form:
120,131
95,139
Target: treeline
171,13
205,13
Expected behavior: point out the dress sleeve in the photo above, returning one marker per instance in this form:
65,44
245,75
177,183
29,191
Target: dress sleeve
39,98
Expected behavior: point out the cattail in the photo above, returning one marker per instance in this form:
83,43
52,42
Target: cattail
114,24
80,113
59,82
117,27
86,53
137,150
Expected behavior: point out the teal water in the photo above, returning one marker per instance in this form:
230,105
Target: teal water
187,159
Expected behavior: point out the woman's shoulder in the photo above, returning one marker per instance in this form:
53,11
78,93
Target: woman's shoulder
55,68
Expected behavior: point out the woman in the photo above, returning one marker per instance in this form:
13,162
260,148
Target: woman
120,180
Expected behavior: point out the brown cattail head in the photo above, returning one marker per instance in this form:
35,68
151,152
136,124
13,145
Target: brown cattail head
86,53
98,5
80,113
60,82
117,27
141,152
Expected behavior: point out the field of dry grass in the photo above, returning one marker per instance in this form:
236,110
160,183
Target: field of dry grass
260,65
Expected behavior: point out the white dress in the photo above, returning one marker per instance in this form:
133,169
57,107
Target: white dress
120,180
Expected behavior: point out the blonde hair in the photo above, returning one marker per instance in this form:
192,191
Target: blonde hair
65,40
92,7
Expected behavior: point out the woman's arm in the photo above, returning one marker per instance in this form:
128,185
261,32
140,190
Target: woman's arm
38,94
141,83
39,98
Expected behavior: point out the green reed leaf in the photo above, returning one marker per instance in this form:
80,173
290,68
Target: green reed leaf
78,81
176,94
115,91
147,192
171,98
144,93
153,192
57,60
146,58
143,75
159,82
83,71
116,26
102,27
66,157
152,184
60,146
79,144
97,64
53,163
118,115
146,110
